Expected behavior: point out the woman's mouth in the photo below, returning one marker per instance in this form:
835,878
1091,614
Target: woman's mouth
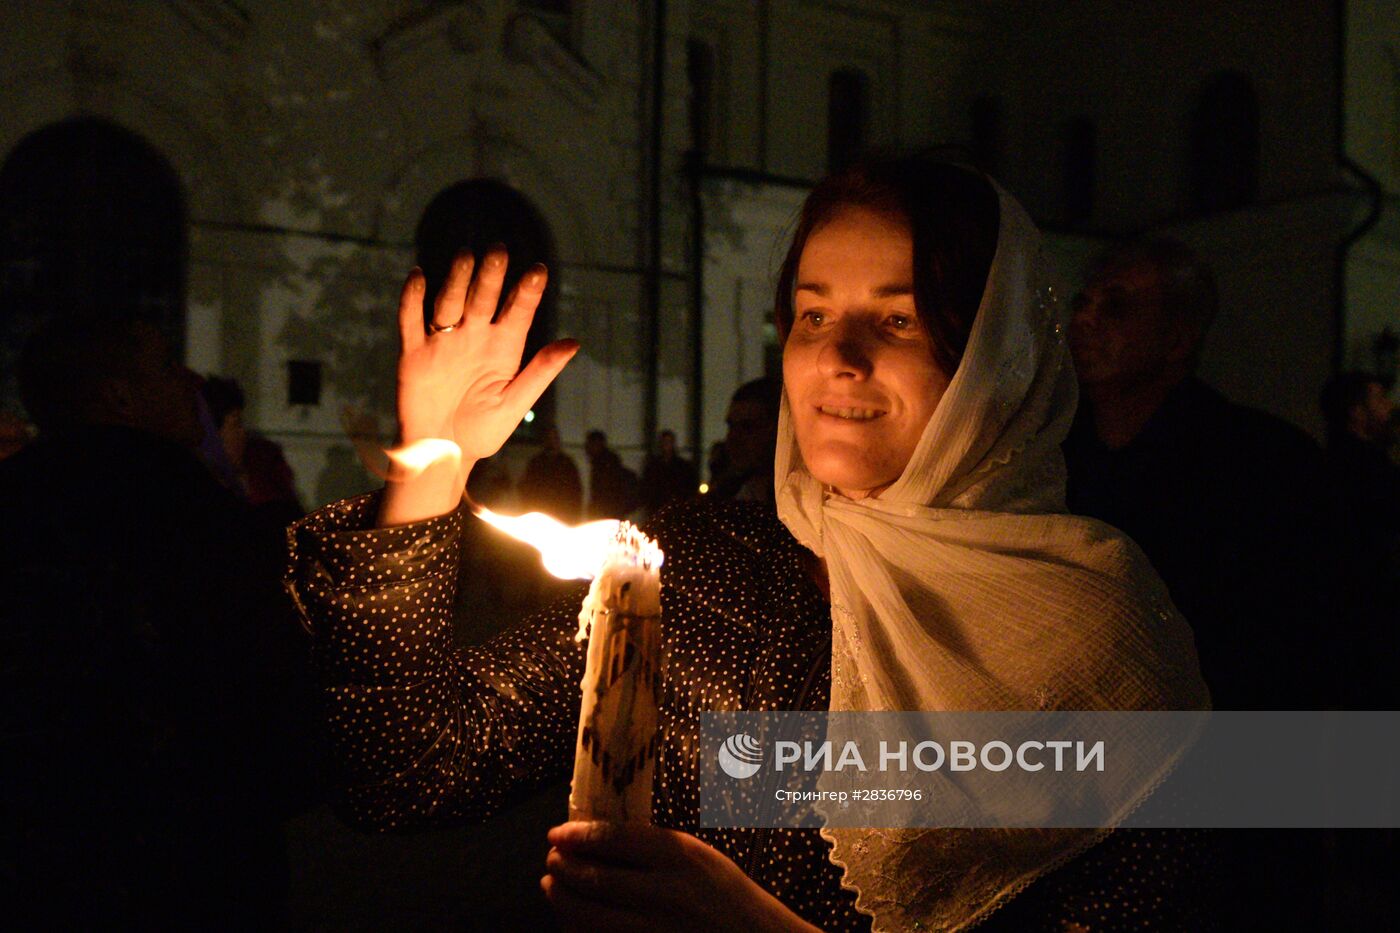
850,414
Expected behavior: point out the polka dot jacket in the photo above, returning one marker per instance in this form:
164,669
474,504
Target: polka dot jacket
426,730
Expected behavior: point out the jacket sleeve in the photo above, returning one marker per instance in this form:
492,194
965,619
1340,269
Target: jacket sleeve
424,730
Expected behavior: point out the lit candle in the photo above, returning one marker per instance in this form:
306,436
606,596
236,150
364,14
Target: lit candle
615,754
617,735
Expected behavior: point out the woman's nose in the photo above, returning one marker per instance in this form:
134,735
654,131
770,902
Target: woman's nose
846,355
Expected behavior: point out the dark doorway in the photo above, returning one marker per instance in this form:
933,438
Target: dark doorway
92,222
475,215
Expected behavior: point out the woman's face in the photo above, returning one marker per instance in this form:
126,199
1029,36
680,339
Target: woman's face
858,367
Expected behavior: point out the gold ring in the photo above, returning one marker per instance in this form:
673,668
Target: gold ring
437,328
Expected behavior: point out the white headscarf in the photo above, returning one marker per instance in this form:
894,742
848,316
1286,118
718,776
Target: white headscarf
964,586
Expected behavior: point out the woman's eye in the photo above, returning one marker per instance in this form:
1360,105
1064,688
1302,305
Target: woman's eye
813,318
900,321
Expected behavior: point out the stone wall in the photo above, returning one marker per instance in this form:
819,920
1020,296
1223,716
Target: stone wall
310,136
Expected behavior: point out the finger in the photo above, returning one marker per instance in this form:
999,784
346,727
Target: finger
485,289
577,912
618,885
411,311
638,845
526,388
448,308
520,307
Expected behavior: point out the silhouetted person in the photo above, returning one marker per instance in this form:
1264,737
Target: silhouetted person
1224,499
667,476
262,473
156,720
1226,502
1360,420
750,442
717,463
342,474
490,485
551,483
612,487
1364,488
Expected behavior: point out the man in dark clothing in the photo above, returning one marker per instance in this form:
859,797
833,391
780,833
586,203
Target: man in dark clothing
612,488
261,474
1360,429
751,441
1225,501
155,710
667,476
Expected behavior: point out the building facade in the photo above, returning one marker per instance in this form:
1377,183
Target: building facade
302,156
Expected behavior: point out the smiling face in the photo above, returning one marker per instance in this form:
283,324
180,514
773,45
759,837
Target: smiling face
858,366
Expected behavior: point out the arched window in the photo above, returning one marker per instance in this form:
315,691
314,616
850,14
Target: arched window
92,222
847,117
1225,144
475,215
1080,170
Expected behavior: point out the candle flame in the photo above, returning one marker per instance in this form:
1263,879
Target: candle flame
572,553
419,455
575,552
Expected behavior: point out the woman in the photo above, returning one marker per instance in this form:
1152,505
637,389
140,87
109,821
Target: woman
926,393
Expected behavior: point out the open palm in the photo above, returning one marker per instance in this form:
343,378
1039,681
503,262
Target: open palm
461,380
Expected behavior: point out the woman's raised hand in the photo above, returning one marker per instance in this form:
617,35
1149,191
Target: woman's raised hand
461,380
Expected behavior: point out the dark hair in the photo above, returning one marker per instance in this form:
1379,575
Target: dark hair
954,218
65,363
223,396
1342,393
595,433
1189,292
